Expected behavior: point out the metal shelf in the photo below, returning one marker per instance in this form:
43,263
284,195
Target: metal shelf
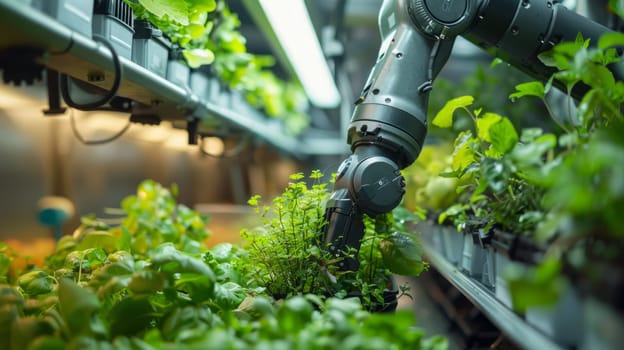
523,334
61,49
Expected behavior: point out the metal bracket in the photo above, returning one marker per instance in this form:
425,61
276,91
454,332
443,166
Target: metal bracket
192,126
18,64
54,95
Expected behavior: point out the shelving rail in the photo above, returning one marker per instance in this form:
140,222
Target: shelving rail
55,46
510,323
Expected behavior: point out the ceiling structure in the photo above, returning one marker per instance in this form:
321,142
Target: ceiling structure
350,37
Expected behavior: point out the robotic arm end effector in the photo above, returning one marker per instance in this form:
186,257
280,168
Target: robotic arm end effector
366,184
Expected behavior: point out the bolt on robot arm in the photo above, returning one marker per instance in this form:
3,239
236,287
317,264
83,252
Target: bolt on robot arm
389,123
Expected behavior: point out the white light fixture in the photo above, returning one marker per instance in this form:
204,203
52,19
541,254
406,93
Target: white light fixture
291,23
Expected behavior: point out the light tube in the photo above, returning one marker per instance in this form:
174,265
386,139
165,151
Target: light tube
291,23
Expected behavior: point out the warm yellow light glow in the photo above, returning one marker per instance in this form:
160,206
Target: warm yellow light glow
292,26
178,140
97,121
12,97
213,146
152,134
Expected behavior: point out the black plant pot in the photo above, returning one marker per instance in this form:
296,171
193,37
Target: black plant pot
390,298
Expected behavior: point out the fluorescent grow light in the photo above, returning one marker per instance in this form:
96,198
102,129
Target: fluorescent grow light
291,23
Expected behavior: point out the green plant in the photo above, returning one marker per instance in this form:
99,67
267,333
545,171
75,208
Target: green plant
485,83
185,23
290,257
499,169
207,31
590,155
561,192
151,283
286,250
425,189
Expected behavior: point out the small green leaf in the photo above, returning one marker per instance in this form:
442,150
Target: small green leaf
569,78
610,40
98,239
484,123
402,254
200,288
131,316
170,260
464,153
294,314
198,57
79,308
195,30
548,58
444,118
175,10
146,282
495,174
598,76
530,134
503,135
124,241
568,140
35,283
532,152
452,211
617,6
202,5
495,62
532,88
229,295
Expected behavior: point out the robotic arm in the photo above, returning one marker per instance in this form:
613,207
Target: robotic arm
389,123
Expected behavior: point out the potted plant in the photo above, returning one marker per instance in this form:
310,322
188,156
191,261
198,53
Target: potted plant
149,48
178,72
290,257
112,20
499,191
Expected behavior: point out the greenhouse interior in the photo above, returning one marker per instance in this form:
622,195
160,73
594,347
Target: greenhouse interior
312,174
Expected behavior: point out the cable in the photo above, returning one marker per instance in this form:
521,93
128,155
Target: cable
64,80
231,153
80,138
428,84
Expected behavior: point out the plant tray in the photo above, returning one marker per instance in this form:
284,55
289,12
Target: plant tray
178,72
208,88
502,287
453,243
113,19
75,14
473,255
488,273
149,48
